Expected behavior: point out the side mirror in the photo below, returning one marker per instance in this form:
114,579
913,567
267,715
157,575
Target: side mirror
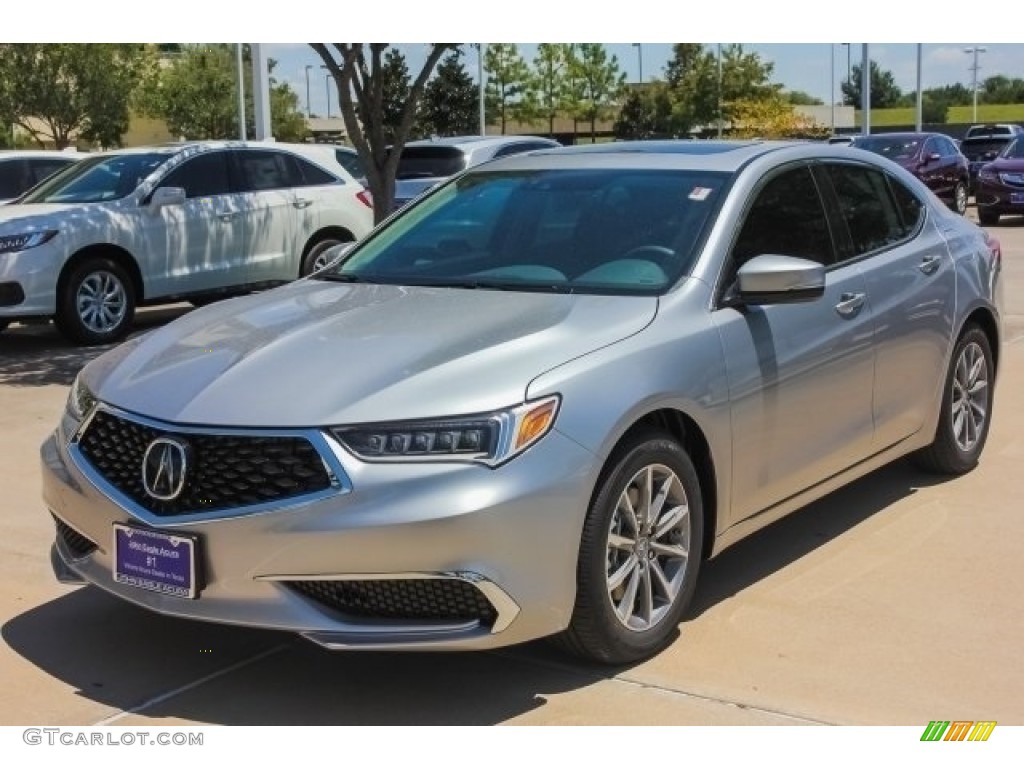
775,279
164,196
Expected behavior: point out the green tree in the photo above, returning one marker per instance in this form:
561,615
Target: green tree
196,94
1000,89
550,80
884,91
57,92
508,89
802,98
450,105
602,83
359,73
646,112
394,92
934,109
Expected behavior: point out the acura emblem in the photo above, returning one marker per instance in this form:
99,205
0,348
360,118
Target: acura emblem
164,467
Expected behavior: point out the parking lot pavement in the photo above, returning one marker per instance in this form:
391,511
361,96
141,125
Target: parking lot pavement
893,601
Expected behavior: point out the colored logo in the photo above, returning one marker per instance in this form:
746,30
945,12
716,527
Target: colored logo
958,730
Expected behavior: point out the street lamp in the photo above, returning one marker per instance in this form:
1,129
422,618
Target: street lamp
481,85
975,50
308,112
719,57
832,81
640,59
327,88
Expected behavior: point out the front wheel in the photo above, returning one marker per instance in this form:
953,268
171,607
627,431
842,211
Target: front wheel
966,408
96,304
639,553
318,258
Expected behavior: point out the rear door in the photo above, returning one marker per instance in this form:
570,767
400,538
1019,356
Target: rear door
911,290
266,179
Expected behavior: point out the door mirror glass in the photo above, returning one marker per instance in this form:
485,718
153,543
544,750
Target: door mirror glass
164,196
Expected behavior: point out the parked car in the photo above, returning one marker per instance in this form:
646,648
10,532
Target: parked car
990,129
426,163
535,400
158,224
932,157
981,149
22,169
1001,184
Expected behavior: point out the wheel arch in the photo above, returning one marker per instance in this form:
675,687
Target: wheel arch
984,319
693,440
106,251
333,231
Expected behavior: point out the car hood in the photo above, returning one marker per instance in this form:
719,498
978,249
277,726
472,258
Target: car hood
320,353
1007,164
21,217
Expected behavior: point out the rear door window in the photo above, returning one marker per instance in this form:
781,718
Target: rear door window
203,176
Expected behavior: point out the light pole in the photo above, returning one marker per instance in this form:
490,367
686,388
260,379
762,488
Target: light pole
327,89
481,84
241,92
719,57
865,89
308,112
640,59
975,50
832,80
919,107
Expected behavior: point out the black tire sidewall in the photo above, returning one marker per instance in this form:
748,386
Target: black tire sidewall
315,250
67,319
611,641
961,460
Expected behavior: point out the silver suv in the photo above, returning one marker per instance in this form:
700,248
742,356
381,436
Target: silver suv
160,224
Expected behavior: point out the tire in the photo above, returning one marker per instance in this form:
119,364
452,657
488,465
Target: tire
96,304
611,621
988,218
966,400
959,202
314,259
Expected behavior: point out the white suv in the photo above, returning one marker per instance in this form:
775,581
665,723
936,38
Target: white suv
160,224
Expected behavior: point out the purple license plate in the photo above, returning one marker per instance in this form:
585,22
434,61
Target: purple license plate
1017,198
156,561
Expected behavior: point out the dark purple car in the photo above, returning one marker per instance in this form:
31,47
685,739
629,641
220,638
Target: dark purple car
932,157
1000,188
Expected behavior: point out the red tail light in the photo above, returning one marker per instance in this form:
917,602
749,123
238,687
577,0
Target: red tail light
365,198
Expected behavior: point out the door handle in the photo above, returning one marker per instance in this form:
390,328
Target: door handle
850,304
929,264
226,216
302,203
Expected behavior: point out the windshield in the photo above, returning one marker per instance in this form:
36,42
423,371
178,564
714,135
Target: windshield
568,230
888,147
97,179
1014,150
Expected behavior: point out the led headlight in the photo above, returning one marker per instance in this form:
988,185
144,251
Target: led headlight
80,400
487,438
25,240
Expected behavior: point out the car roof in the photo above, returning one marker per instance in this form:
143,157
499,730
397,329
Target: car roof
475,142
681,154
47,153
901,135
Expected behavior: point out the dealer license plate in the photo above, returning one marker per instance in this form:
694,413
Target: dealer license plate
156,561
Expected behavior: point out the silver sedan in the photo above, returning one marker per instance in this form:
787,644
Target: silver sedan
535,401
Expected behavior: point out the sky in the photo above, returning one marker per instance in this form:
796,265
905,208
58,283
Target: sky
788,33
798,66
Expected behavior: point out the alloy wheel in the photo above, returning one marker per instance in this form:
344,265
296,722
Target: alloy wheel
970,396
101,302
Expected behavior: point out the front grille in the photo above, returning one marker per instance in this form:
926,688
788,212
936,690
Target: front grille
416,599
77,544
224,472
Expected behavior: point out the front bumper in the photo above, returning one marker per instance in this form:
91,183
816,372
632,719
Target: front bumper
511,532
31,276
998,197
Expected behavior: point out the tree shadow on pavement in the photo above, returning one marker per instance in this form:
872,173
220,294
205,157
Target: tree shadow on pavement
36,355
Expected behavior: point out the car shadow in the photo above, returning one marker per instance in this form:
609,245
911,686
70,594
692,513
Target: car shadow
35,354
127,658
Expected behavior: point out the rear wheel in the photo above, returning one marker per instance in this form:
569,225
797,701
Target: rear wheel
960,198
966,408
988,218
317,257
639,553
97,303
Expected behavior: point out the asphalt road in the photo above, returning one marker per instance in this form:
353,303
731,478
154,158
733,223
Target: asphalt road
894,601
